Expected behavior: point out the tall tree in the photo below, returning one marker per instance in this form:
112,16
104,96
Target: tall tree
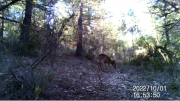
1,34
80,31
167,12
24,37
1,31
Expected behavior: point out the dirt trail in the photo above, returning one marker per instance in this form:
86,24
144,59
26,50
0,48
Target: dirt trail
76,79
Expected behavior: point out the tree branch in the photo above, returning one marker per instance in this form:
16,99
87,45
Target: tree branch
10,20
6,6
15,76
173,25
53,44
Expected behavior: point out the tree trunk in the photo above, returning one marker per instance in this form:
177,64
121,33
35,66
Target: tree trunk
1,31
1,36
80,31
165,27
24,37
89,16
104,47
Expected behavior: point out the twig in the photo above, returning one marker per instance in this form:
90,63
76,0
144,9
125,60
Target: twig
15,76
173,25
54,44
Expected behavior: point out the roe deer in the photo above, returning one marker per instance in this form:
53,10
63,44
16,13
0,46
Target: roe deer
103,59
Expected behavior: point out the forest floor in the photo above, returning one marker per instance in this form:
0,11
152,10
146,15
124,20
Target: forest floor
77,79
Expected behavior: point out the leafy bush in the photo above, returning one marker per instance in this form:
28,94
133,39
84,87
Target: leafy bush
175,85
90,55
157,66
139,60
12,45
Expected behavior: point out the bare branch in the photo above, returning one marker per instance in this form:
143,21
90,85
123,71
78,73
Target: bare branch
53,43
15,76
10,20
173,25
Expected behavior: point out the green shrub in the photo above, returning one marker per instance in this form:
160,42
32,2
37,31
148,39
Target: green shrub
175,86
157,65
137,61
90,55
12,45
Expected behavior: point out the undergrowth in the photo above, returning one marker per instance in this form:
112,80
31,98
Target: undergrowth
19,81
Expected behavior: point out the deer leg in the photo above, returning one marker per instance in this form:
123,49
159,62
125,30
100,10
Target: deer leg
107,67
99,65
110,68
102,65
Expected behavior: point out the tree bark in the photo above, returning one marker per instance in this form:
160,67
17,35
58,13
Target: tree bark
89,16
24,37
80,31
1,36
2,26
104,47
1,31
165,27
